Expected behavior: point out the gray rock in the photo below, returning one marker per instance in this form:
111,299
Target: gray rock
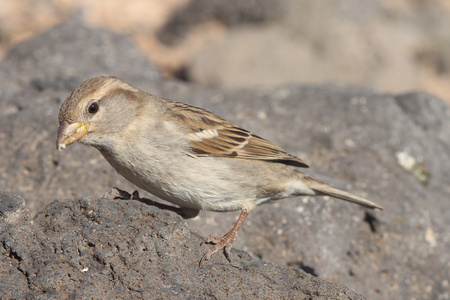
354,138
106,249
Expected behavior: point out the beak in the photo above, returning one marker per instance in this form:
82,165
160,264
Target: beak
69,134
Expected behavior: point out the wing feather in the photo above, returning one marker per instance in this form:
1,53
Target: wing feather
210,135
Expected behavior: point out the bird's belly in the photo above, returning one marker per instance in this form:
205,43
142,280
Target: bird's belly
192,182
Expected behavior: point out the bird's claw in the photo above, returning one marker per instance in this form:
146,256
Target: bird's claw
225,243
116,192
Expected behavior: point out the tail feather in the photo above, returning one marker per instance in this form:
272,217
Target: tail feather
325,189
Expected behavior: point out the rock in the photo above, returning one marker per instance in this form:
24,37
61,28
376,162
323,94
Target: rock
106,249
390,148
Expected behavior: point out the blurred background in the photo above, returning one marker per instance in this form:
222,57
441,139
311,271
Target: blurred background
393,46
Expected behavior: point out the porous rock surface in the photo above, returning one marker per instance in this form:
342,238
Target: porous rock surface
97,249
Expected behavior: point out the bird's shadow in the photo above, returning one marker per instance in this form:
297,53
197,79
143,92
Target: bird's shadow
184,212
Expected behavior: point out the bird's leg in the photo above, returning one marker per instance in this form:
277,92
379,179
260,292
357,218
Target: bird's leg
184,212
225,242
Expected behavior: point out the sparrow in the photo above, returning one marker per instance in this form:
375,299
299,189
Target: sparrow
184,154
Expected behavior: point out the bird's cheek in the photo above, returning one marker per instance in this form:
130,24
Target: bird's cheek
70,133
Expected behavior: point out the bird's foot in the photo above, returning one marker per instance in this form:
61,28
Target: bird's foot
225,243
116,192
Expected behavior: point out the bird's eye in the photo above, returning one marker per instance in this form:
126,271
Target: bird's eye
93,108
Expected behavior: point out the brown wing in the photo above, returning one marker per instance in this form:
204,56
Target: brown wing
210,135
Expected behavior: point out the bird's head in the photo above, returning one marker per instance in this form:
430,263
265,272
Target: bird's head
99,107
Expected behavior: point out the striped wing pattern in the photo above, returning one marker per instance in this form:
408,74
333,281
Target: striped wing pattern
210,135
